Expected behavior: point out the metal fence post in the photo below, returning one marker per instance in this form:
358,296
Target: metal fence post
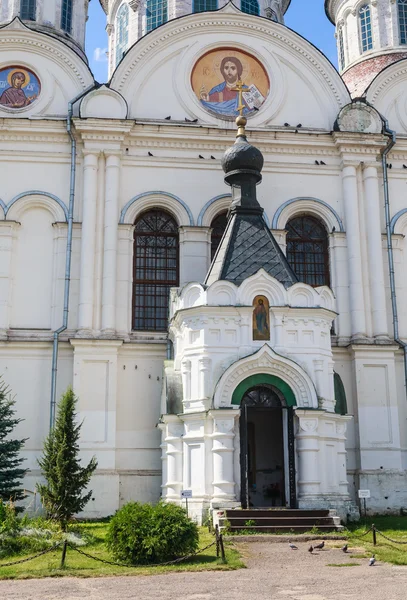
217,539
222,548
374,535
63,557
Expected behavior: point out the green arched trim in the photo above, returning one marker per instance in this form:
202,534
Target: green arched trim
341,406
260,379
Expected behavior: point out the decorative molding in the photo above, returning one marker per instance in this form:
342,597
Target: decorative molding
35,197
152,199
266,361
310,205
402,216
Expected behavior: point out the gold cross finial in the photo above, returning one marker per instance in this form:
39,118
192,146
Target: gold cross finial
239,87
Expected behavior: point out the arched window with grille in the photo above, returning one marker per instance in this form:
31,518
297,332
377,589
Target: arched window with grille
341,48
66,15
308,250
156,13
218,226
251,7
365,20
203,5
155,269
28,9
122,31
402,18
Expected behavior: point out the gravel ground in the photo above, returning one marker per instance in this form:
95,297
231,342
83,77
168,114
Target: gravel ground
275,572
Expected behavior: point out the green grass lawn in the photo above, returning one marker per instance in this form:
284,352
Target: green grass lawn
393,527
81,566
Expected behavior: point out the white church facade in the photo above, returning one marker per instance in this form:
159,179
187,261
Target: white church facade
251,350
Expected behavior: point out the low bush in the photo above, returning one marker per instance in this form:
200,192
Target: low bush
142,533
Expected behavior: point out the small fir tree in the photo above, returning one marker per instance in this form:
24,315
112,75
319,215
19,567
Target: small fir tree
11,472
66,479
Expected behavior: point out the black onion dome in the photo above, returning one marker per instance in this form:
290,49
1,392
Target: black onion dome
242,156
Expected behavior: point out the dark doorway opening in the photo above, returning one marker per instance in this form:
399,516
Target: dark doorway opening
267,456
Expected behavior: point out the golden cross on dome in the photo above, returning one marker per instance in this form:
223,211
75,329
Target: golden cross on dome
239,89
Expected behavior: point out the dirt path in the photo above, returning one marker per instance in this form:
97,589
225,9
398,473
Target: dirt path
274,573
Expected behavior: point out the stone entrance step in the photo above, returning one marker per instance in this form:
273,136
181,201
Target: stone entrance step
284,520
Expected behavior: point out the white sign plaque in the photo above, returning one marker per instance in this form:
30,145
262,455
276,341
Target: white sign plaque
364,493
186,494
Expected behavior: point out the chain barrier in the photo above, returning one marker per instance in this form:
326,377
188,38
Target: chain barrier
389,539
24,560
358,536
116,564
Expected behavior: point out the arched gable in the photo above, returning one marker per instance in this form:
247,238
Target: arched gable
165,200
155,74
266,362
62,73
388,94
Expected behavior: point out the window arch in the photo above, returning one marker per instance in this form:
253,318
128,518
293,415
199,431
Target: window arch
308,250
203,5
365,20
218,229
341,48
155,269
28,10
157,13
402,18
66,15
251,7
122,29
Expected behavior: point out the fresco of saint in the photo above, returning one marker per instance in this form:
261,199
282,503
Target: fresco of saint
217,76
18,84
261,318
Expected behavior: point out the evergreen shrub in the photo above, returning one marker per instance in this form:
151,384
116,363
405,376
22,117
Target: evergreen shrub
142,533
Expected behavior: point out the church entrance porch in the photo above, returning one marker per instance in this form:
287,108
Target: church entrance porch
266,449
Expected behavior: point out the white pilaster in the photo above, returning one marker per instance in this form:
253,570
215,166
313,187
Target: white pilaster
195,253
222,451
375,253
173,441
8,232
110,243
350,203
87,261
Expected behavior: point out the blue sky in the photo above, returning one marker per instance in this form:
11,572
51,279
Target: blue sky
307,18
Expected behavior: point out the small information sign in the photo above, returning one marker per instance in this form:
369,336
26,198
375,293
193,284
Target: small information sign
186,494
364,493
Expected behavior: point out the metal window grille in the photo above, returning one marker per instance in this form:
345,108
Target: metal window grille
66,16
203,5
341,49
402,12
28,9
308,251
122,31
251,7
155,269
157,13
366,37
218,229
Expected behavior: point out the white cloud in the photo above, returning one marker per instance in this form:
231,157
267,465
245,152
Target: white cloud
99,54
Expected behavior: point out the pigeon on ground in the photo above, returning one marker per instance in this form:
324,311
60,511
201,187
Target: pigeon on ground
292,546
345,548
319,546
372,561
311,549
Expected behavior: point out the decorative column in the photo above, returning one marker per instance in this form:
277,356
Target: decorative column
87,259
205,370
186,382
110,242
173,441
375,252
8,233
222,452
309,477
351,210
